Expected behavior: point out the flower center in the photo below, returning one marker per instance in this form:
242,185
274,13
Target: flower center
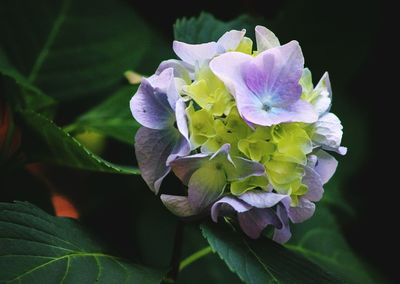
266,107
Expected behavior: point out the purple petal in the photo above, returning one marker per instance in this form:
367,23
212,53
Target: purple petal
244,168
227,68
255,78
265,39
283,234
303,211
165,83
151,108
205,186
299,111
326,165
266,88
181,69
153,148
181,149
262,199
230,40
341,150
196,53
184,167
253,222
284,67
314,184
181,119
228,202
178,205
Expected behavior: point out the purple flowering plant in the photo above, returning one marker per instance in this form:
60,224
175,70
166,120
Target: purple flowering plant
232,135
243,128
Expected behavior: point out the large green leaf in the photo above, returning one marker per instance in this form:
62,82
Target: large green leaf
319,240
262,260
49,143
207,28
112,117
72,48
32,98
38,248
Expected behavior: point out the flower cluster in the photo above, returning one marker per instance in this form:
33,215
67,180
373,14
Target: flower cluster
245,131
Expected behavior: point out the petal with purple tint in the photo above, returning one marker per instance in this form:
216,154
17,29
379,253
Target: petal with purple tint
303,211
266,87
165,83
227,68
314,184
243,168
181,149
196,54
181,119
283,234
184,167
326,165
265,39
282,67
254,221
178,205
153,148
262,199
151,108
230,203
299,111
205,186
230,40
181,69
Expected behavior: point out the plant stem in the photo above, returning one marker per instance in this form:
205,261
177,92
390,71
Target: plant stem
70,127
176,253
194,257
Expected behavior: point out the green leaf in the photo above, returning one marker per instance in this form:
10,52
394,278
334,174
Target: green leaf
262,260
72,48
34,98
319,240
207,28
112,117
38,248
49,143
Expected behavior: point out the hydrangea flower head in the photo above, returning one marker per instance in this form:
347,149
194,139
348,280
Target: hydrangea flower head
245,131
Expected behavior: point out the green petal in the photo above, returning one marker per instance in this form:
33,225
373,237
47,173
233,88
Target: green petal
210,93
201,125
240,187
307,84
293,143
245,46
282,174
236,125
256,150
206,185
222,136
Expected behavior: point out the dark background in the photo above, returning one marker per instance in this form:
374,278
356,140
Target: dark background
351,40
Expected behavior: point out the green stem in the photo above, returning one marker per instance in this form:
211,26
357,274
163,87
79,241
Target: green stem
194,257
69,128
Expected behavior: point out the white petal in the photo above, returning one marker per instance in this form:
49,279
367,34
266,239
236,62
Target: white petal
196,54
230,40
265,39
328,131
